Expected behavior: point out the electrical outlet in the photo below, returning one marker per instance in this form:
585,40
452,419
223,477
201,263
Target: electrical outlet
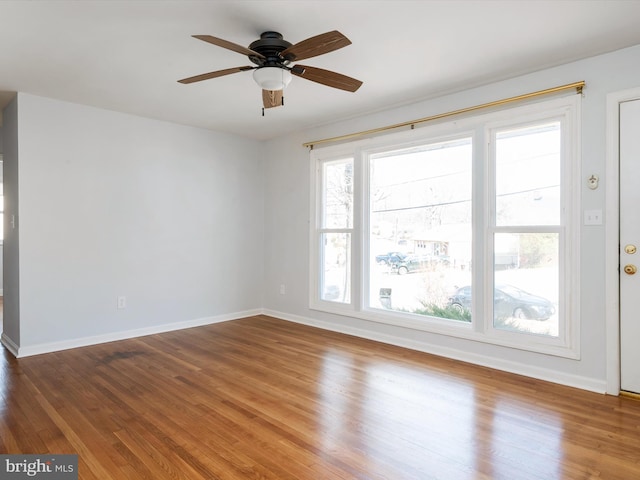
122,302
283,289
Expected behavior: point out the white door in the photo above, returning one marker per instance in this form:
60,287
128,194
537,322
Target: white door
630,246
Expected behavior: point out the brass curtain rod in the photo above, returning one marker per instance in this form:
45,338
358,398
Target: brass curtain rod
577,85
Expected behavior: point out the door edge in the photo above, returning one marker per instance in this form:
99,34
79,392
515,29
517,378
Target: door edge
612,237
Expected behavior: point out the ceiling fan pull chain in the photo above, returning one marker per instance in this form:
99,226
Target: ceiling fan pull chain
282,98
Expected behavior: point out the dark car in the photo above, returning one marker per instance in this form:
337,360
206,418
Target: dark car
410,263
390,258
509,301
418,263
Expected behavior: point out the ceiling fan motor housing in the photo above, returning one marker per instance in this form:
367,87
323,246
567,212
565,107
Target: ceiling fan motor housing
270,45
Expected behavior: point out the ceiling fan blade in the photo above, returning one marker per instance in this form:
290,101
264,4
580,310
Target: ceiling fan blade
327,77
217,73
314,46
271,98
228,45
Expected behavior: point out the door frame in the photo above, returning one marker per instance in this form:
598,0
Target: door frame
612,236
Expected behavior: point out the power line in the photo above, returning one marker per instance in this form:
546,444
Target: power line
454,202
465,171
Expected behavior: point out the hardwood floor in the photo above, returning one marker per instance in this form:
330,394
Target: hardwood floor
261,398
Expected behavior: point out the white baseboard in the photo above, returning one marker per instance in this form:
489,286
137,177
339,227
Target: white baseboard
567,379
9,344
584,383
31,350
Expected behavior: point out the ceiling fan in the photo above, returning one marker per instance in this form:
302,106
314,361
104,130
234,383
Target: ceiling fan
273,56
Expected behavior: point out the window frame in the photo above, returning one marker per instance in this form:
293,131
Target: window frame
480,128
568,229
319,230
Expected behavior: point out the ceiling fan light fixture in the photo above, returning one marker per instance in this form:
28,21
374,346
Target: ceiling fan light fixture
272,78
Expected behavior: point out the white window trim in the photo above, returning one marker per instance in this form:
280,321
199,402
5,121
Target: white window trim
317,230
567,343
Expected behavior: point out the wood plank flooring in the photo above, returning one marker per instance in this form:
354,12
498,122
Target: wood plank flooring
261,398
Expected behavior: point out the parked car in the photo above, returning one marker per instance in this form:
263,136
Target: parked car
410,263
390,258
509,301
417,263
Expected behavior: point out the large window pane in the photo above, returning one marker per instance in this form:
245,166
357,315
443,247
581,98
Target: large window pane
528,175
338,194
420,228
336,273
526,276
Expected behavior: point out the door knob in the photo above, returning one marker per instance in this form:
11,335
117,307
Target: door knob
630,269
630,249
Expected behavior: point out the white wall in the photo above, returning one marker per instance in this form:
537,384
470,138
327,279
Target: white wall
10,249
117,205
287,229
1,254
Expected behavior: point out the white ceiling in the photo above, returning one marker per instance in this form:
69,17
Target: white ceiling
128,55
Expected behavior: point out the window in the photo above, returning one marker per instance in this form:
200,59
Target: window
468,228
336,230
528,231
420,226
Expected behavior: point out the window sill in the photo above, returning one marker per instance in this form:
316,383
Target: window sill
457,329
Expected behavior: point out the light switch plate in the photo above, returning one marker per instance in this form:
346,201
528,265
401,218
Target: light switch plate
593,217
